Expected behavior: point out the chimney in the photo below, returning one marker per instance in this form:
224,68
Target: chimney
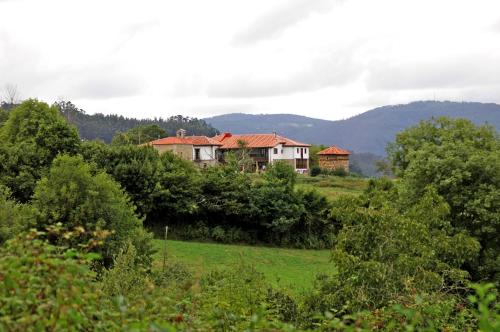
275,134
181,133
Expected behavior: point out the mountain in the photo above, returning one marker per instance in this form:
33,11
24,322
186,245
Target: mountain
366,132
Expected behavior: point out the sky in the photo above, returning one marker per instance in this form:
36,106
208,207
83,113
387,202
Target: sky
328,59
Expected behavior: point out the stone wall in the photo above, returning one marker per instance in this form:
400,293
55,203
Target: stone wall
185,151
334,162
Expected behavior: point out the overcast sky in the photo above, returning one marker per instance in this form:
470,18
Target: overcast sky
328,59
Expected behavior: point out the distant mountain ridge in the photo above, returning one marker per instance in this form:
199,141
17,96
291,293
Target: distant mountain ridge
366,132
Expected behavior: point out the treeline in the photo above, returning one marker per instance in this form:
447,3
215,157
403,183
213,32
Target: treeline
75,256
105,127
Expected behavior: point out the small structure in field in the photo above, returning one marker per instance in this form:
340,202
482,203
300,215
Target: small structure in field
334,158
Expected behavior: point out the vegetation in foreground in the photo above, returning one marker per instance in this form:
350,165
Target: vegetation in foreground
420,253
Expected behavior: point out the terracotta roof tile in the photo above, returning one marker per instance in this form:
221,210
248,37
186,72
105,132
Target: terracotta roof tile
255,141
334,150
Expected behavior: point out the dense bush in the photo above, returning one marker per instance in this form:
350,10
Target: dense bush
14,217
315,171
384,254
88,203
47,288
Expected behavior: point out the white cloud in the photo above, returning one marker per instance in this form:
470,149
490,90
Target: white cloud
310,57
275,22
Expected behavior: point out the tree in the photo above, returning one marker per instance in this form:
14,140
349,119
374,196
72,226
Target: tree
30,139
139,135
313,157
85,203
385,254
462,162
11,94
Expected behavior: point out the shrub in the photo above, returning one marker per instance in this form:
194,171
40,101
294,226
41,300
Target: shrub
174,274
47,288
382,254
14,217
126,278
84,203
315,170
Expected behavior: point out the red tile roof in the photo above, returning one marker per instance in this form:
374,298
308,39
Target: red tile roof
187,140
334,150
230,141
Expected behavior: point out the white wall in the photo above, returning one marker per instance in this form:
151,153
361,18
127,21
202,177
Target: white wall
289,152
206,152
277,156
296,154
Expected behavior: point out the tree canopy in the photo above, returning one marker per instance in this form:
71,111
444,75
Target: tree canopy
462,162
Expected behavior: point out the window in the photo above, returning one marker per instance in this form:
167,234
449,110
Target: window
275,151
301,163
196,154
281,151
297,150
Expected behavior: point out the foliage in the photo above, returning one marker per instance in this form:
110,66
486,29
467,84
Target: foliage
313,155
86,203
315,171
126,276
47,288
231,297
30,139
4,115
488,307
384,254
137,169
139,135
14,217
462,162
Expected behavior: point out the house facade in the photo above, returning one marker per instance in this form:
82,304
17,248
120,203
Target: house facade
201,150
334,158
263,149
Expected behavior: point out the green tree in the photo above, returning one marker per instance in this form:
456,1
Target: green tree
86,204
462,162
137,169
31,138
313,157
384,254
14,217
140,135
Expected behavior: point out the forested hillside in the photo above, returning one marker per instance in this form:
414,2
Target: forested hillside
105,127
367,132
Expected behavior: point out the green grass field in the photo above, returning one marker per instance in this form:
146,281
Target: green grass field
293,268
333,186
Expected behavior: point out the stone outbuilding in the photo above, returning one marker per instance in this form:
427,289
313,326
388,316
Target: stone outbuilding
334,158
201,150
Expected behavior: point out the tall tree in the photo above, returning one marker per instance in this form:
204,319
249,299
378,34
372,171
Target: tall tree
30,139
462,161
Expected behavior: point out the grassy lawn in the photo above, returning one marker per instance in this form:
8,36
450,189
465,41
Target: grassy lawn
294,268
333,186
